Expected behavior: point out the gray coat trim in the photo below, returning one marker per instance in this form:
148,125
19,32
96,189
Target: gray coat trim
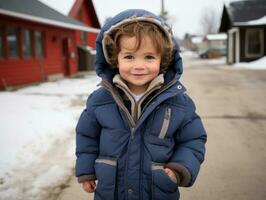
161,166
106,161
185,176
84,178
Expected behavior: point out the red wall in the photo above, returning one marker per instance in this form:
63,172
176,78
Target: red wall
17,71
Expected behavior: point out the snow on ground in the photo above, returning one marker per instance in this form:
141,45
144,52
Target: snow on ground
37,137
257,64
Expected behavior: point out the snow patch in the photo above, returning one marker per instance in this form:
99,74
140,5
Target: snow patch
259,64
49,180
38,138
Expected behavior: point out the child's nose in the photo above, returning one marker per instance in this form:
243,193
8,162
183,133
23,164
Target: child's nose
139,65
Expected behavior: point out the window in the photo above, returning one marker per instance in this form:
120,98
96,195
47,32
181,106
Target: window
38,36
27,43
1,43
12,41
254,43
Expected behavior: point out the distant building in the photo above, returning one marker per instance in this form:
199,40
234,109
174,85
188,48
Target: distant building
192,42
245,24
197,43
216,41
202,43
38,43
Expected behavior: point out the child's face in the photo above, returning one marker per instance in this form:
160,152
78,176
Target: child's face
138,67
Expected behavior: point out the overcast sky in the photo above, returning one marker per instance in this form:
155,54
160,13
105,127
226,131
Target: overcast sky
184,15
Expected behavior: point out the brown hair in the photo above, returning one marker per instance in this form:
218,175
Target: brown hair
139,29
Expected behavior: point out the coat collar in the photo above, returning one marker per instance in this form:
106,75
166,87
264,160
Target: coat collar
136,110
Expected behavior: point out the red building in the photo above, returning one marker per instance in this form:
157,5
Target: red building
37,42
83,11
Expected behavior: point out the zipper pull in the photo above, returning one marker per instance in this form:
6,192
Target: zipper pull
132,132
167,113
166,122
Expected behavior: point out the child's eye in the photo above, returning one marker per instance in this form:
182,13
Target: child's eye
129,57
149,57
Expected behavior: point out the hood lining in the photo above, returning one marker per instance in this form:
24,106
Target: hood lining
166,30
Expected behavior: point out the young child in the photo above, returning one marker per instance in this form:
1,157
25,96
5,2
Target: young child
139,135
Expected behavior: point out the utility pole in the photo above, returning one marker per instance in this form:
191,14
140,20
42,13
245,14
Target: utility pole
163,13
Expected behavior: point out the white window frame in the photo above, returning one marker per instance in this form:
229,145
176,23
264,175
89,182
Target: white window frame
232,43
39,44
252,55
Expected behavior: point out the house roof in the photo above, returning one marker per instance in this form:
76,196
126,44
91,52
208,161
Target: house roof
91,11
260,21
36,11
57,5
197,39
240,13
221,36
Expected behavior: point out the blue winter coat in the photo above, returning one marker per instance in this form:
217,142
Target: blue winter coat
127,158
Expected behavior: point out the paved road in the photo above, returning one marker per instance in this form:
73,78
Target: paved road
232,105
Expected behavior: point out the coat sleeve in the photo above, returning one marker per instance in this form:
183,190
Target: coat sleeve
87,142
190,146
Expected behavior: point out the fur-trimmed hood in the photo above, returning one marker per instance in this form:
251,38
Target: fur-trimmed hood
103,68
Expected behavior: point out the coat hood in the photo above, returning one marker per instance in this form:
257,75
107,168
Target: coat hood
104,69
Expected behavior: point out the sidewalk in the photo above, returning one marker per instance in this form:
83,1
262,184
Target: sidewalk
74,192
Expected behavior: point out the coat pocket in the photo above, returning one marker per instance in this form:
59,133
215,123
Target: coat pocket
163,187
105,169
165,121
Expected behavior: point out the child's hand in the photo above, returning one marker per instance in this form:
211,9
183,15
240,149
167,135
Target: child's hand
171,174
89,186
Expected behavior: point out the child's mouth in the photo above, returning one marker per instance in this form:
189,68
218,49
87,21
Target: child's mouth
138,74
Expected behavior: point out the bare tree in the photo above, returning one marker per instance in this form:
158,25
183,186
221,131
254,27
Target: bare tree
209,21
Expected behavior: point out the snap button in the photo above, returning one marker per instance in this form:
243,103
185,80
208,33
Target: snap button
130,191
179,87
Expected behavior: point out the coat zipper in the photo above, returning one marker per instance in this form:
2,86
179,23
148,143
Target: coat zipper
119,102
132,133
132,122
126,167
159,92
141,165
